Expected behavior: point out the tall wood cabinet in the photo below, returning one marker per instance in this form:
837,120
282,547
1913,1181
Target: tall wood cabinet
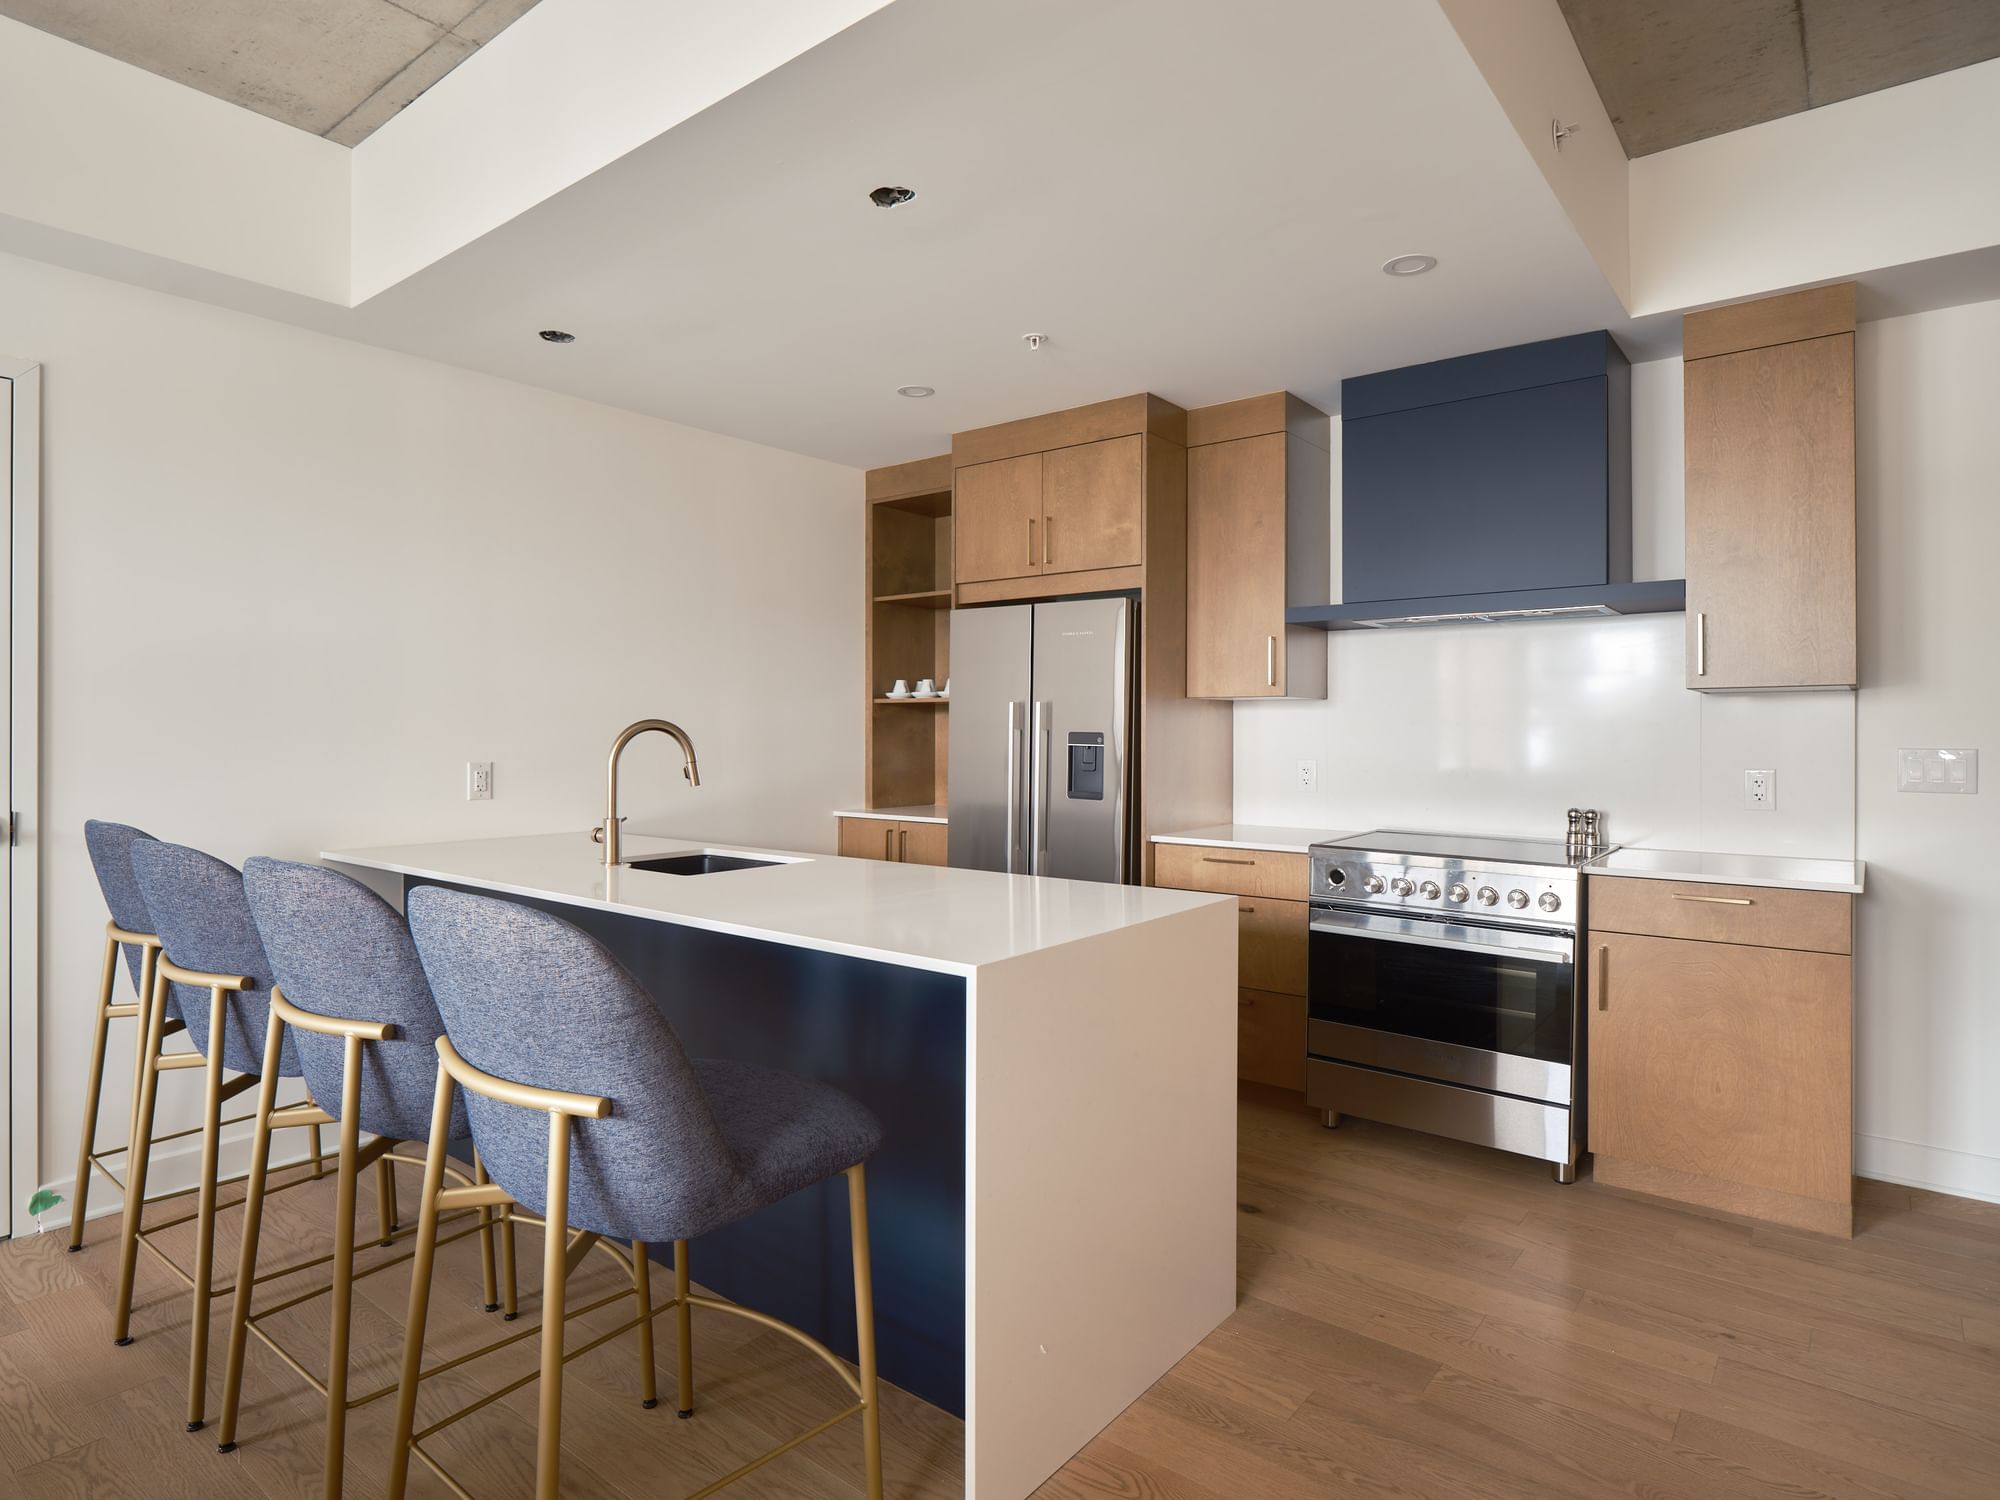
1259,540
908,599
1770,492
1721,1049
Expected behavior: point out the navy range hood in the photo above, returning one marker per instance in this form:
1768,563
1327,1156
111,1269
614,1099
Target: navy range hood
1494,486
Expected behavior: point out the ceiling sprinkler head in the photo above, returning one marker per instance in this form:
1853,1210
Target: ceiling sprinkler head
891,197
557,336
1034,341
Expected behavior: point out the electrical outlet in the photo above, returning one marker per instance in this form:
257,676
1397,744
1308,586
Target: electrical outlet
1760,790
1308,775
478,780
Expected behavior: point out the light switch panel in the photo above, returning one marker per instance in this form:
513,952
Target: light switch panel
1952,772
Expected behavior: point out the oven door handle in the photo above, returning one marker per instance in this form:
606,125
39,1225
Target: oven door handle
1339,925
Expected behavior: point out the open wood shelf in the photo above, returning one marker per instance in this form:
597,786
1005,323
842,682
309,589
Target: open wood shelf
922,599
909,557
934,504
927,702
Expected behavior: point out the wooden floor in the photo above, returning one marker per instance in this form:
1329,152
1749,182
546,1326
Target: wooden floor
1416,1319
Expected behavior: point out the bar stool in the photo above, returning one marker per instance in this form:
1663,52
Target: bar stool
212,973
635,1142
352,995
130,930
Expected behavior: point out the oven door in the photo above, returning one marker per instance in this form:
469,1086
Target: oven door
1486,1006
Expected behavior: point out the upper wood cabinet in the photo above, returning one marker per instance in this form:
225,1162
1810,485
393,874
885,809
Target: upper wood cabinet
1770,493
998,519
1259,528
1068,497
1093,504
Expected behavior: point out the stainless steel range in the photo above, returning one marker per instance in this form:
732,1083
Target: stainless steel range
1442,991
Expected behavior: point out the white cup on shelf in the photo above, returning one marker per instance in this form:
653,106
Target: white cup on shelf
926,688
901,689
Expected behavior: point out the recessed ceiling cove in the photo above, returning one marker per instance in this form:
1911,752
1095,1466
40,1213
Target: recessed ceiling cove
336,68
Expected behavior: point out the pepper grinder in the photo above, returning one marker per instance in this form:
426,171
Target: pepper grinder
1592,823
1574,838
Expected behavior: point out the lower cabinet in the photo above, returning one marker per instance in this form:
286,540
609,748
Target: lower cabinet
897,842
1721,1065
1270,949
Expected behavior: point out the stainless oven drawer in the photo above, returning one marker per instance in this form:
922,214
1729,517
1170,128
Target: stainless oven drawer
1530,1077
1518,1125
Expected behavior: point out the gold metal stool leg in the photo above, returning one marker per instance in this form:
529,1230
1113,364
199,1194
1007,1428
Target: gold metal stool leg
555,1271
385,1193
642,1294
142,1151
487,1282
683,1333
511,1293
420,1289
88,1144
349,1172
204,1243
253,1224
864,1328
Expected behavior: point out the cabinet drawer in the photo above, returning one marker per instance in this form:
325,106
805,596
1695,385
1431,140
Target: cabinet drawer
1271,1038
1237,872
1271,945
867,838
1759,916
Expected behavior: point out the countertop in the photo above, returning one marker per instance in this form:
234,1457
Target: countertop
929,812
1253,836
1782,871
920,916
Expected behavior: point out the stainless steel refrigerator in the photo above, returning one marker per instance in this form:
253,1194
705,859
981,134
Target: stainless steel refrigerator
1042,758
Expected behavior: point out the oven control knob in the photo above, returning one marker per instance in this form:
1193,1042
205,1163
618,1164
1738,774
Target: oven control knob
1430,890
1487,895
1460,894
1550,901
1335,876
1517,899
1372,885
1401,886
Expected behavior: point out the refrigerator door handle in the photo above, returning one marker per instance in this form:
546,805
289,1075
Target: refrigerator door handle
1038,792
1013,787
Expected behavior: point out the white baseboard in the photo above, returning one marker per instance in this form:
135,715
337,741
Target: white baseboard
1963,1174
173,1168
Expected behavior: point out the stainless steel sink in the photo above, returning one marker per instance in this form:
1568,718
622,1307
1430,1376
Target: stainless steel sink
701,862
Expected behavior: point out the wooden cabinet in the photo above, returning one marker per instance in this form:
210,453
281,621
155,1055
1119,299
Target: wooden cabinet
1093,503
1259,528
1271,937
1721,1047
997,512
1770,493
895,841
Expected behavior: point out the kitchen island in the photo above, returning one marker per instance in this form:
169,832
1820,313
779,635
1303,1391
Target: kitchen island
1053,1061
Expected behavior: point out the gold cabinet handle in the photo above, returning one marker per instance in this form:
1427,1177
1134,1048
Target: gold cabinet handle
1048,530
1717,900
903,845
1212,859
1245,910
889,842
1270,661
1031,541
1602,982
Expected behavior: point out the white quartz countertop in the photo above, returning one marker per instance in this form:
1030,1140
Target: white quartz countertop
1782,871
1254,836
929,812
920,916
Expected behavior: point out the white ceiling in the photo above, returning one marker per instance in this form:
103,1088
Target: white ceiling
1186,198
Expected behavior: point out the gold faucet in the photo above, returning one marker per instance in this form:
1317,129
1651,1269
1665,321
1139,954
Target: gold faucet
608,834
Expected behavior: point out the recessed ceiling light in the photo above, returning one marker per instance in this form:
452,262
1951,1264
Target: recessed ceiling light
891,197
1409,265
557,336
916,391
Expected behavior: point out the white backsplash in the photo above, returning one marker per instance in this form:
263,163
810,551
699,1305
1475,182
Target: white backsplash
1502,728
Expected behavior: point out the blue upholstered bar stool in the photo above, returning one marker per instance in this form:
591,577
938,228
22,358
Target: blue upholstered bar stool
589,1115
352,995
212,971
130,930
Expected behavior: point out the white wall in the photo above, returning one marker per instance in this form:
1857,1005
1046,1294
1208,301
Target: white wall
292,584
1928,1047
1502,728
